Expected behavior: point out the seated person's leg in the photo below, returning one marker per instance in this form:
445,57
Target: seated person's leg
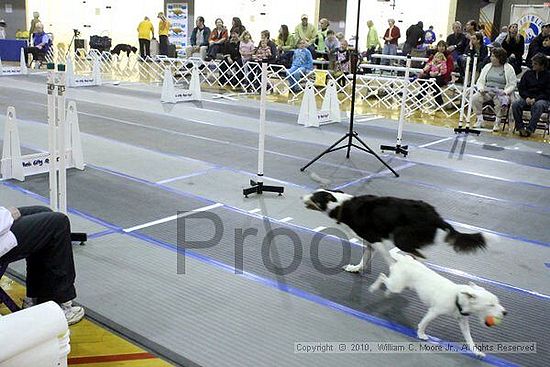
541,106
477,104
290,75
202,51
44,240
30,210
517,111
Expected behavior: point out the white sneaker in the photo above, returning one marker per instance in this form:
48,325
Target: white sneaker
496,126
73,314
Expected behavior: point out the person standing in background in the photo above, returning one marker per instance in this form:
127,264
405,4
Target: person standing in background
391,36
35,19
373,42
164,29
414,37
429,36
145,33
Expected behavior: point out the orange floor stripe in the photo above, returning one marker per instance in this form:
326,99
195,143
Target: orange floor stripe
110,358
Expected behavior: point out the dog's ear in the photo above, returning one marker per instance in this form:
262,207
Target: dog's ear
469,295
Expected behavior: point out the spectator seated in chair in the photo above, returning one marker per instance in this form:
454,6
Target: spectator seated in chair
496,82
43,239
302,64
121,47
534,91
199,39
514,44
218,36
41,45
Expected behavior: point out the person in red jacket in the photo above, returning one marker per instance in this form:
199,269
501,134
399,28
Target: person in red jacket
391,36
218,36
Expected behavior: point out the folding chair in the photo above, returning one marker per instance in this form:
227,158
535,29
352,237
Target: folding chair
543,123
490,115
4,297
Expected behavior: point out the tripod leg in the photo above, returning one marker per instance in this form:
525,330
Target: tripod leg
324,152
374,154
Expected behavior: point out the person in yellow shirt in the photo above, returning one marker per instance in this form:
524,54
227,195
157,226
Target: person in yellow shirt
145,33
164,28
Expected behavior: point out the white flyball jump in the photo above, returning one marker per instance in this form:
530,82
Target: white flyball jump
171,95
18,70
35,336
17,166
74,81
330,110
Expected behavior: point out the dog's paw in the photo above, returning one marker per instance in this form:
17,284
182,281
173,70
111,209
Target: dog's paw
353,268
422,336
373,288
478,353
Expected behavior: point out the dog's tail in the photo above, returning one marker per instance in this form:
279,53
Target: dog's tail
463,242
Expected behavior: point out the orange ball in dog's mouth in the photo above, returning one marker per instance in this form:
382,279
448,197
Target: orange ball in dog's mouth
492,321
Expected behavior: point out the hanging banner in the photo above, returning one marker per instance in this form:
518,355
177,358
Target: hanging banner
530,19
177,14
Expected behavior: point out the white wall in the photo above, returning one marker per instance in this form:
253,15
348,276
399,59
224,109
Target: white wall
277,12
406,13
119,22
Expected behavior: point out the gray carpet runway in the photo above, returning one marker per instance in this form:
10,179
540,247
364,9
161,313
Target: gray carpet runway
123,277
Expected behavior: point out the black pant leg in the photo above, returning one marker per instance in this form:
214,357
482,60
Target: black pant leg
147,47
142,48
44,240
29,210
163,45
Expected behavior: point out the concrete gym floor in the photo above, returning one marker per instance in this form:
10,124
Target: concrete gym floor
146,161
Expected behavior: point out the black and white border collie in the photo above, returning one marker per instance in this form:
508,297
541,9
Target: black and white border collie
407,224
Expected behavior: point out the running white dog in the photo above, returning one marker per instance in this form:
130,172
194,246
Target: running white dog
442,296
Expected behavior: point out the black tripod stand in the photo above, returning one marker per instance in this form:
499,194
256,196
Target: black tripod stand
75,34
351,136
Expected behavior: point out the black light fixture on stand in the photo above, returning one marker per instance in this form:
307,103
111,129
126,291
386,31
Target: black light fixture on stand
352,136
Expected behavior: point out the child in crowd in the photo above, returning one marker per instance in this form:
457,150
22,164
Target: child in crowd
263,52
302,64
436,67
343,57
246,47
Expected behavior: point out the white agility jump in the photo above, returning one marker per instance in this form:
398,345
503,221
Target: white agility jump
330,110
171,95
17,70
94,79
17,166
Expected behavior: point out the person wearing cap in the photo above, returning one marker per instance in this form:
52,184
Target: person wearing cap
164,28
305,31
